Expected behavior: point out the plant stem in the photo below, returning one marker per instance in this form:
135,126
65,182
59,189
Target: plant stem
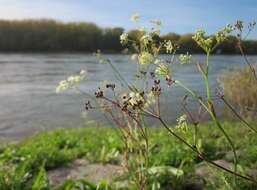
201,155
213,113
210,109
206,76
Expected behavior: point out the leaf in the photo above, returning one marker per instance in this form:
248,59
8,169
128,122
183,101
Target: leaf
41,182
161,170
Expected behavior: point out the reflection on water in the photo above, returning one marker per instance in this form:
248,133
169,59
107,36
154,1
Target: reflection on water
27,88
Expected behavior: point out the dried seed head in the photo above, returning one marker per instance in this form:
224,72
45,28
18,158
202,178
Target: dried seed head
111,86
169,81
156,88
99,93
239,25
88,105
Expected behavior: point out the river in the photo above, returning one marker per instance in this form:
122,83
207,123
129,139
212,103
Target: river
29,103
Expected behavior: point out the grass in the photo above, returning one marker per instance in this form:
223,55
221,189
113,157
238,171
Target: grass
23,166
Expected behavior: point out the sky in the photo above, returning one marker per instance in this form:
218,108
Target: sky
180,16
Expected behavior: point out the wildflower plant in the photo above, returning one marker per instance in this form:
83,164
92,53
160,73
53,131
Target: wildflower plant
130,108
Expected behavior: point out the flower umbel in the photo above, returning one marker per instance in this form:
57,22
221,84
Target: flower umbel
145,58
63,86
210,43
168,46
182,123
185,58
223,34
163,70
124,38
71,82
205,44
146,39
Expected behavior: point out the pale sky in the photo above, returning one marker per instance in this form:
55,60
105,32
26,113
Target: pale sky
181,16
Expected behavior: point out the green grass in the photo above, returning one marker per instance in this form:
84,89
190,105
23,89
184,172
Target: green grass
23,166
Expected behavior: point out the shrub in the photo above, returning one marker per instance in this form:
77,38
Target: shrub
240,90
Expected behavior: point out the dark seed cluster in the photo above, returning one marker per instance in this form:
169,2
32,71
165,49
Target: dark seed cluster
99,93
110,86
156,88
88,105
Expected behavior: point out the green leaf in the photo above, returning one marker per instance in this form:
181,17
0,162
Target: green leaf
41,182
161,170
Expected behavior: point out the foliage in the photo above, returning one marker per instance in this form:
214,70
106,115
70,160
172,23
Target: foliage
41,182
54,36
168,156
50,35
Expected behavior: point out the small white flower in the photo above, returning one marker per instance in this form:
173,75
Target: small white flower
168,46
136,99
162,70
124,38
63,86
182,123
146,39
74,81
135,17
223,34
145,58
185,58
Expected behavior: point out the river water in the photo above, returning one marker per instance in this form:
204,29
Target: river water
28,102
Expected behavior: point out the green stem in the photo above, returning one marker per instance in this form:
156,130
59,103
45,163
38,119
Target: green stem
206,77
210,109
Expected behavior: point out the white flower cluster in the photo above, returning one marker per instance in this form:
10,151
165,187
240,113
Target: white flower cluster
145,58
146,39
124,38
140,100
223,34
162,70
135,98
185,58
168,46
182,123
207,44
71,82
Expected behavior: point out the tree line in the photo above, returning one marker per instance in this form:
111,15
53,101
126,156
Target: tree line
52,36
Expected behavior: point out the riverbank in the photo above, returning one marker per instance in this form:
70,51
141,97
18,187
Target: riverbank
95,154
41,36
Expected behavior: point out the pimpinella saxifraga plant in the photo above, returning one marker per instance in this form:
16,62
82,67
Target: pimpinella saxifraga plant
130,107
